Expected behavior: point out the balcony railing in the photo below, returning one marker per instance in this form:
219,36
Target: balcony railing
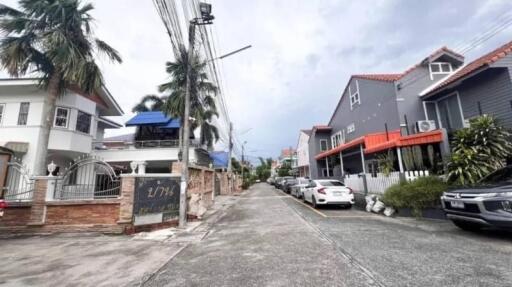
121,145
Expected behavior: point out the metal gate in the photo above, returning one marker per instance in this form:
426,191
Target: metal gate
88,178
18,184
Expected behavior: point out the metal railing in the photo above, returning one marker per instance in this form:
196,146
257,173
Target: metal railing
19,186
116,145
88,178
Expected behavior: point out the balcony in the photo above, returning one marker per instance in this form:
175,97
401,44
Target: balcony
148,150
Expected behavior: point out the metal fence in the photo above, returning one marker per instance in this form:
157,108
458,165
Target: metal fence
18,186
88,178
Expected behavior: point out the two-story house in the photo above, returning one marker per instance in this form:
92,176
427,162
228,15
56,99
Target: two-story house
78,121
379,112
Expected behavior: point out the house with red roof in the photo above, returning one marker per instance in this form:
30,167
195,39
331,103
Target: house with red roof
410,114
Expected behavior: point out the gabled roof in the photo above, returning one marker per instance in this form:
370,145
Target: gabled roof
321,128
474,66
307,132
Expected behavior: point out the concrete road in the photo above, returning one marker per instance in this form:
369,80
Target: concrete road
271,239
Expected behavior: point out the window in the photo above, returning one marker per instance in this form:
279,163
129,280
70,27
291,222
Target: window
351,128
338,138
327,172
2,111
61,118
23,114
354,95
323,145
83,122
439,68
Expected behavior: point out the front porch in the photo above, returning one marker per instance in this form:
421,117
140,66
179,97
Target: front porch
384,153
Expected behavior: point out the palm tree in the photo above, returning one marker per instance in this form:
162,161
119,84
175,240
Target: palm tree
54,40
202,103
150,103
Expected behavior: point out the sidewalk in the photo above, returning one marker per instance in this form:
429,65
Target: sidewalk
95,259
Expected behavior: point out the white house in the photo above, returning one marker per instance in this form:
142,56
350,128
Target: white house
303,153
79,120
78,130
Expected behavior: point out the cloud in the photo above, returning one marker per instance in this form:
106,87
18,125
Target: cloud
303,53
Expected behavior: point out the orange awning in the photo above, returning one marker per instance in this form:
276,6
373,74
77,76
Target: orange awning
376,142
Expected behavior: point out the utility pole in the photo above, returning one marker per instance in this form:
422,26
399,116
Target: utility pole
230,164
243,159
205,19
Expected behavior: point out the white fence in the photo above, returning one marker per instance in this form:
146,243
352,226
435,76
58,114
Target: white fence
378,184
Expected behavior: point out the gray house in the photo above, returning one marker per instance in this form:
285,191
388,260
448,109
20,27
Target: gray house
411,112
381,112
484,86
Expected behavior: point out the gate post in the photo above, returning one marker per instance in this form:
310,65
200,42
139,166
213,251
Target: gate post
127,198
38,210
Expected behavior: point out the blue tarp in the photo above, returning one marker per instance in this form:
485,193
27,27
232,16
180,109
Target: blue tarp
153,118
220,159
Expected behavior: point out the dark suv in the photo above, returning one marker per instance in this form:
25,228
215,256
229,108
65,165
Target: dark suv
489,204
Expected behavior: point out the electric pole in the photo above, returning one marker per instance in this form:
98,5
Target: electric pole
230,146
206,18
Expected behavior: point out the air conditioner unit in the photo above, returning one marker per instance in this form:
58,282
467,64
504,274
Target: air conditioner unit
425,126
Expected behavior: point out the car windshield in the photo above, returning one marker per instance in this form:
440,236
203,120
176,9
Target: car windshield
331,183
303,181
503,175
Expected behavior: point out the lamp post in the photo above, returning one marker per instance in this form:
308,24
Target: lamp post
205,19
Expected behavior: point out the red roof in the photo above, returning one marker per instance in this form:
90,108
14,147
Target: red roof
321,127
486,59
379,77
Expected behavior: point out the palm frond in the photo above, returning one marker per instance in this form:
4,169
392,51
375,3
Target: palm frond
110,52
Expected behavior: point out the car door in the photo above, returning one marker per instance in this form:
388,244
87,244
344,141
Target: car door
308,191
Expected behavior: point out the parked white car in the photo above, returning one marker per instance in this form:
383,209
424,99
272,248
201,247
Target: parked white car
298,189
328,192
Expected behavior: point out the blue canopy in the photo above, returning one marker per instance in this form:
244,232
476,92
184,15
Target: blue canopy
220,159
154,119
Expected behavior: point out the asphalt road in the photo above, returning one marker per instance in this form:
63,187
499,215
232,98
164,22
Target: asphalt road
271,239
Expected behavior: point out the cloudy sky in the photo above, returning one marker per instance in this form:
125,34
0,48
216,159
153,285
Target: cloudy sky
303,52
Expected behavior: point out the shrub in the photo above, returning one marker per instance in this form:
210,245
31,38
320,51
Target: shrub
478,150
416,195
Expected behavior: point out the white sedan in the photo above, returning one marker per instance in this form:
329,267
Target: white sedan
328,192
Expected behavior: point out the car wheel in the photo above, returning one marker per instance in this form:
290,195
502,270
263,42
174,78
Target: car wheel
313,202
468,226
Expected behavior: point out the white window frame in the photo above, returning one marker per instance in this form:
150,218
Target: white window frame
351,128
67,118
352,96
338,138
439,64
436,102
19,114
326,145
2,113
91,117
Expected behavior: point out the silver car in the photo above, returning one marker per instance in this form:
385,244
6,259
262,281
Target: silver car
297,190
487,205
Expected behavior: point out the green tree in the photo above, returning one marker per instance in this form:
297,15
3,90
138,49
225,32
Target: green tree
54,40
150,103
202,92
478,150
264,169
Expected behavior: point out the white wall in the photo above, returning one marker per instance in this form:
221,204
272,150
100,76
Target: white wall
303,150
61,139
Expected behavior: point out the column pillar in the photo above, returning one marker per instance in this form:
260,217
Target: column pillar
341,165
38,210
127,199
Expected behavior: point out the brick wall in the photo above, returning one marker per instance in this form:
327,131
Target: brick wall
16,216
75,214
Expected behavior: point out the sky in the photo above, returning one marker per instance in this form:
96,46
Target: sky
302,56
